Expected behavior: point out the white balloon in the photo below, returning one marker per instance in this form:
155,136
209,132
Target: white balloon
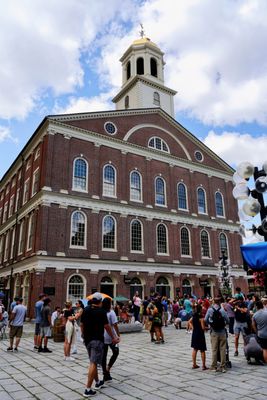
241,191
242,230
243,216
238,179
251,207
245,169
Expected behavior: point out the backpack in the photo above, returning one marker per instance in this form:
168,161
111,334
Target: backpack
217,321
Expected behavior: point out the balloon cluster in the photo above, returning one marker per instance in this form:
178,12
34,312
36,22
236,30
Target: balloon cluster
251,206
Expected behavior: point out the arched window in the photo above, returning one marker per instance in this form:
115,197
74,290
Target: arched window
76,288
158,144
136,236
201,201
78,229
219,204
135,186
205,244
79,181
162,239
109,233
126,102
182,196
153,67
223,244
140,66
160,199
156,99
128,70
186,287
185,242
109,181
163,287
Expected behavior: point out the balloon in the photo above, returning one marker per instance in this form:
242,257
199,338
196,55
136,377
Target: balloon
261,184
238,179
241,191
243,216
251,207
245,169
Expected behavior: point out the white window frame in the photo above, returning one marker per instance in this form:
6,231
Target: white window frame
7,242
26,186
84,285
77,189
12,243
11,205
206,204
190,244
165,194
227,244
28,165
186,196
21,233
105,194
142,237
1,248
37,153
30,226
17,199
141,187
161,141
220,216
202,256
5,213
35,174
167,240
115,234
72,246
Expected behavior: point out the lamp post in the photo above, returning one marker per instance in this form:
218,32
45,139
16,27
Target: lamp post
224,268
254,199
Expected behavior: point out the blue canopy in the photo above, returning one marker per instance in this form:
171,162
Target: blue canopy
255,256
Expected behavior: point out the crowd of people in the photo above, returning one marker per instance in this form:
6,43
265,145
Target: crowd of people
96,325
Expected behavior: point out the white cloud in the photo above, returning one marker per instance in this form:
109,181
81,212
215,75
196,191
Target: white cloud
41,45
5,134
234,147
83,104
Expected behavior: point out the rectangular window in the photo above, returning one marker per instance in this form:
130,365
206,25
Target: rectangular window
37,154
1,249
21,238
26,191
17,200
6,247
11,205
31,229
35,185
5,212
28,165
12,244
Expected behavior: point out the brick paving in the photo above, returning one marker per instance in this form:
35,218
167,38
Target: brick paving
143,371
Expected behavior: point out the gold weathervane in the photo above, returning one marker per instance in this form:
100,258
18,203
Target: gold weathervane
142,32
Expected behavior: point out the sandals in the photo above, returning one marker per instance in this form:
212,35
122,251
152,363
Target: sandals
204,368
195,366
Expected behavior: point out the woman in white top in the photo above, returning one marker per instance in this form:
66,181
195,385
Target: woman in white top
113,322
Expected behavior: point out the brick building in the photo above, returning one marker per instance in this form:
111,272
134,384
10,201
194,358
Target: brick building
118,201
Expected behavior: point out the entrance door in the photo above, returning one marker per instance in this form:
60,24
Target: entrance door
207,291
136,286
107,286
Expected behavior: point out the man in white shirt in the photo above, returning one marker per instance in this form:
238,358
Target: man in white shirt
16,324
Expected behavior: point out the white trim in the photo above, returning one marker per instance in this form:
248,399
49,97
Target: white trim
167,240
84,284
26,183
190,244
141,186
161,143
7,247
21,231
155,192
205,196
29,232
114,249
227,244
202,256
142,237
186,196
219,216
115,181
34,179
11,205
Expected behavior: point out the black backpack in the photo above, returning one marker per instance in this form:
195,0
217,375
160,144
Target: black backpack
217,321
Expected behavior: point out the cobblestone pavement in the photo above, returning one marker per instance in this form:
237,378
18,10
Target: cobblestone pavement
142,371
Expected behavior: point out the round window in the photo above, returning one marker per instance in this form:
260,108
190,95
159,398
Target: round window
110,128
199,156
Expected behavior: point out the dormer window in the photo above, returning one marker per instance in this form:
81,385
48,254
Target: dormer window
158,144
156,99
140,66
128,70
153,67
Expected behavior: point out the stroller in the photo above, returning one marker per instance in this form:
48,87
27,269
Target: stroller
228,363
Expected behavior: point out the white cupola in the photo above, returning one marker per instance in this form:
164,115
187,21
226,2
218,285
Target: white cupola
143,78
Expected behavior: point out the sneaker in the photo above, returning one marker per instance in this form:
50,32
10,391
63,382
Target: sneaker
89,393
99,385
213,370
236,353
40,349
153,340
16,349
223,370
9,349
74,351
162,341
46,350
107,377
35,348
69,359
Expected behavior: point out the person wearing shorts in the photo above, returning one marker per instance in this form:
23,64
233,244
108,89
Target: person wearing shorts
37,311
45,326
17,319
93,323
259,324
240,324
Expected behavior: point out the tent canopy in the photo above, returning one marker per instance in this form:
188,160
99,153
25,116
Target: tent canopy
255,256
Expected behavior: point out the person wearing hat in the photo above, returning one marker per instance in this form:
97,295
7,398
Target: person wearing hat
94,322
16,322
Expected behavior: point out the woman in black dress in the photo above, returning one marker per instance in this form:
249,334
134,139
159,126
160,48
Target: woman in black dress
198,336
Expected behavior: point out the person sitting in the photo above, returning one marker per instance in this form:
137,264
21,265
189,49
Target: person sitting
124,315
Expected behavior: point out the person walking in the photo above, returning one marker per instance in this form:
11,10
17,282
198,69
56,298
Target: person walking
217,318
198,341
113,322
45,327
93,323
259,325
37,311
16,322
229,308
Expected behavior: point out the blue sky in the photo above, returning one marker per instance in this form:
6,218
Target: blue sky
62,56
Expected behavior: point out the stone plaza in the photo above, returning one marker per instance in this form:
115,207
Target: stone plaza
142,371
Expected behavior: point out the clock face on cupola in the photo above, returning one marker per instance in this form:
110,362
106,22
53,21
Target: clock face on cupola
143,78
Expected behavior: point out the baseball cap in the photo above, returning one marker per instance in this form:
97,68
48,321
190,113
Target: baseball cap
97,296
